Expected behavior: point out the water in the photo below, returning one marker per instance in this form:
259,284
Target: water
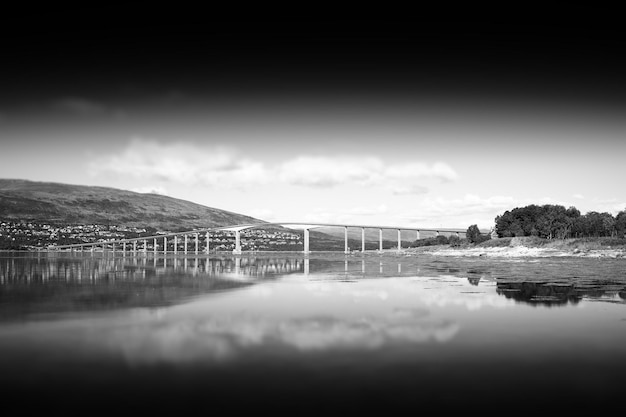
331,334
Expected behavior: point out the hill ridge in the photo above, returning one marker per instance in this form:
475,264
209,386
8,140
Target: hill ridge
55,202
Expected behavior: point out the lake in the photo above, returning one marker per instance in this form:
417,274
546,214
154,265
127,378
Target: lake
92,333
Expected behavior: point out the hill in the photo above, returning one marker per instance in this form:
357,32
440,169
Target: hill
57,203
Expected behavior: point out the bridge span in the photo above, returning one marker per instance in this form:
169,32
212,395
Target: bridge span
146,242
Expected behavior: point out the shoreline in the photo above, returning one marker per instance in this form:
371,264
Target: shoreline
520,252
520,247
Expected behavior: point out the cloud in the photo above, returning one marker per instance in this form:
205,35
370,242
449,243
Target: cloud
330,171
189,163
579,196
438,170
322,171
150,190
182,162
410,190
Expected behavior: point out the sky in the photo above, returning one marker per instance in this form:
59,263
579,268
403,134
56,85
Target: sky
425,122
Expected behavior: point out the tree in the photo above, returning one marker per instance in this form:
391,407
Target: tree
620,223
547,221
473,233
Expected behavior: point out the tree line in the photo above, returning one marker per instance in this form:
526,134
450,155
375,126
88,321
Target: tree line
555,221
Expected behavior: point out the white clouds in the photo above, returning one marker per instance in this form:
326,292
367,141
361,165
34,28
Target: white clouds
410,190
153,189
415,170
188,163
181,162
365,171
329,171
579,196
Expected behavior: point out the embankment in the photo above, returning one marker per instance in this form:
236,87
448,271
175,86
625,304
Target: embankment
533,247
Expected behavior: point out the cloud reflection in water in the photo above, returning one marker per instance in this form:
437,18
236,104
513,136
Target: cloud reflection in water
289,317
330,316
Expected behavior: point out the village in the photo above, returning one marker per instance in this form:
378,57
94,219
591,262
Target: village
21,235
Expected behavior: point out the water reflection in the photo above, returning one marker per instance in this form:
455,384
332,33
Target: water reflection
555,294
44,284
49,267
68,281
414,331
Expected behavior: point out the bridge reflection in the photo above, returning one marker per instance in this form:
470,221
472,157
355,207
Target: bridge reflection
77,268
103,279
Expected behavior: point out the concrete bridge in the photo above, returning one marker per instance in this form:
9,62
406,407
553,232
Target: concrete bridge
183,237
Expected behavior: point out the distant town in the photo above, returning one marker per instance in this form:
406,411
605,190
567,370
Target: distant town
22,235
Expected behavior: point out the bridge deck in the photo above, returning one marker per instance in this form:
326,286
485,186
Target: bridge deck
238,228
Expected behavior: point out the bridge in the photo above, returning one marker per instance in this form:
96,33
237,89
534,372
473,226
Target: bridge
179,238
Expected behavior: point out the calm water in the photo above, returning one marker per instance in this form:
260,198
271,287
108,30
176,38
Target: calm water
90,333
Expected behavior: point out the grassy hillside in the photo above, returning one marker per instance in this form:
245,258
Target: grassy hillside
76,204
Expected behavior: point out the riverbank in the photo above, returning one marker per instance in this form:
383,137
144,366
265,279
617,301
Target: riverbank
532,247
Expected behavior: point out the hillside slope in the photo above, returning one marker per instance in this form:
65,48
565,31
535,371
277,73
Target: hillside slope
76,204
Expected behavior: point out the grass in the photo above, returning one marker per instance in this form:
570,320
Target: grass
571,244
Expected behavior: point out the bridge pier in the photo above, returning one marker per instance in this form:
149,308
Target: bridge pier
362,239
112,245
306,250
237,249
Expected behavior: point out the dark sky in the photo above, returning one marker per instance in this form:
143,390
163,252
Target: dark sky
124,90
573,53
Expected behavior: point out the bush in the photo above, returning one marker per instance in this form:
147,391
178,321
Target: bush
454,240
473,234
431,241
496,243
